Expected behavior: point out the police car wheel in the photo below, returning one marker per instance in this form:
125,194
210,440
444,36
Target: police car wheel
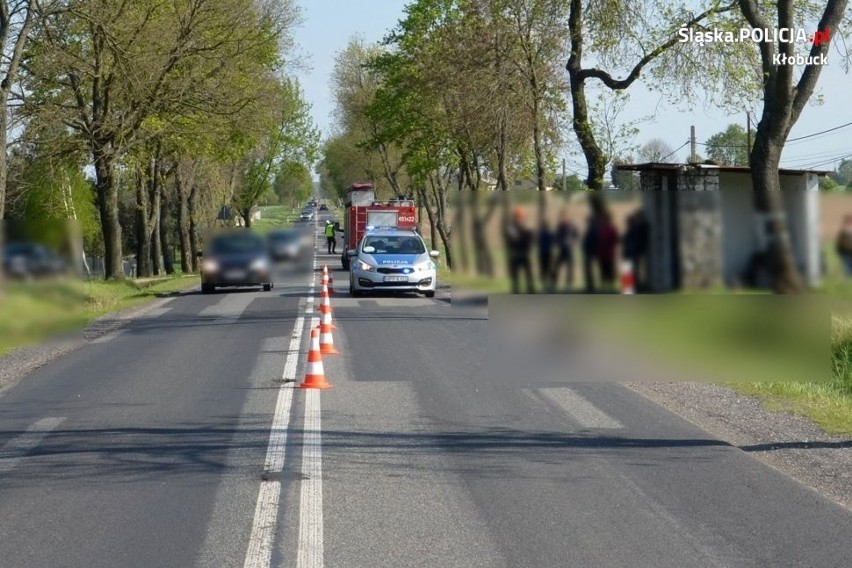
429,294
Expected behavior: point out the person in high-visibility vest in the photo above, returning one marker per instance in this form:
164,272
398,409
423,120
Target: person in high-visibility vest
330,237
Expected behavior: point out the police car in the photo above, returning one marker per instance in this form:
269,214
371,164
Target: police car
395,260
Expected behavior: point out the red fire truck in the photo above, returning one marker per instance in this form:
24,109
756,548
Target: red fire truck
362,211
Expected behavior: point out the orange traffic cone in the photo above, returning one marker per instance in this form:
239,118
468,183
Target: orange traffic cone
325,300
327,319
326,340
314,374
327,280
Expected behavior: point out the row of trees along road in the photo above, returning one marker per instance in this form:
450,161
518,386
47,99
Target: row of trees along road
141,120
467,91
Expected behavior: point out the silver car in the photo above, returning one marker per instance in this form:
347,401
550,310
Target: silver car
393,260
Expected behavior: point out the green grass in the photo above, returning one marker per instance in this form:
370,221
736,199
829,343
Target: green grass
275,217
33,312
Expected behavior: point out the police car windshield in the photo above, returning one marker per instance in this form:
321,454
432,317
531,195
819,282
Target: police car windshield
395,244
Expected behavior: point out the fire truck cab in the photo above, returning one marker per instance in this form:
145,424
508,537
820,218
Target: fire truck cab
362,211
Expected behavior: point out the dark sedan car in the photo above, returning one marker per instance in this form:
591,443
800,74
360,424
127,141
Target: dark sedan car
287,244
236,259
31,260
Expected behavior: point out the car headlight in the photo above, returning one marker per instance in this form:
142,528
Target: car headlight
259,264
424,267
365,267
209,266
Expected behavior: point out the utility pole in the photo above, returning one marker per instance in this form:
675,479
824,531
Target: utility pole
692,145
564,181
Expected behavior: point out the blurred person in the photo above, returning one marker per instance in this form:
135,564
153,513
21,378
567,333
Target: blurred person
607,242
635,246
545,255
844,244
590,246
519,240
566,236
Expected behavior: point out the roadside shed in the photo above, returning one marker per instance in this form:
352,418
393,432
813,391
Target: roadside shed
704,231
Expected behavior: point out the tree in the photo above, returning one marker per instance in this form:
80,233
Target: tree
785,94
16,19
108,68
537,30
730,146
291,136
653,46
656,150
293,183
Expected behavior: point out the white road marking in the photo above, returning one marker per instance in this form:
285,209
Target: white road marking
263,529
15,449
310,504
259,551
580,409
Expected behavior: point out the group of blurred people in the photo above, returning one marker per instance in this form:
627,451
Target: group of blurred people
555,251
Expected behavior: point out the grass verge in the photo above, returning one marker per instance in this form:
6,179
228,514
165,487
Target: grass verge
32,312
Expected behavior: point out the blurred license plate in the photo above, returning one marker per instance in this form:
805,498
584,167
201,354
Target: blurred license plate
396,278
235,274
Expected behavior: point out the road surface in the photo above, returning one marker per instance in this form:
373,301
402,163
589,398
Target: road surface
178,441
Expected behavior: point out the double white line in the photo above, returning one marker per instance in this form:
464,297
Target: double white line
310,545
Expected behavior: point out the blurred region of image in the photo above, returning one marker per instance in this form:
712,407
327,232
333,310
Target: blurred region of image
693,228
668,338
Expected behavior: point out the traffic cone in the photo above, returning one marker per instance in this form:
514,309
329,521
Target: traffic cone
325,300
627,279
327,319
314,374
326,340
327,280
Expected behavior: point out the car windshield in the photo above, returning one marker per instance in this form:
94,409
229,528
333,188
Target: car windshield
395,244
237,244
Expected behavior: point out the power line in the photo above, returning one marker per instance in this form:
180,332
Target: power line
820,133
789,140
675,150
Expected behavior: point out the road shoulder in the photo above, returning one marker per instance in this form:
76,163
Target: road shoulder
791,444
22,361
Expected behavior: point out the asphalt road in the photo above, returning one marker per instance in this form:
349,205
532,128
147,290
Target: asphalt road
177,442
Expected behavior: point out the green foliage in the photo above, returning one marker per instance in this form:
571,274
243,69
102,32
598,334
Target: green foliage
729,147
828,184
293,183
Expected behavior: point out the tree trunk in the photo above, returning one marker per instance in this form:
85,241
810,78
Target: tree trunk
193,228
107,192
144,265
540,172
595,158
3,175
165,238
186,252
460,222
156,242
765,159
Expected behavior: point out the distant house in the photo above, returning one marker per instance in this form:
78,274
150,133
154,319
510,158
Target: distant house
705,232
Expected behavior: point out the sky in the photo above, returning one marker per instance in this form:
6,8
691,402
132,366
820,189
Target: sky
329,24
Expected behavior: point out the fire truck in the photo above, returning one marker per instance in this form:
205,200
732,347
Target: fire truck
362,211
